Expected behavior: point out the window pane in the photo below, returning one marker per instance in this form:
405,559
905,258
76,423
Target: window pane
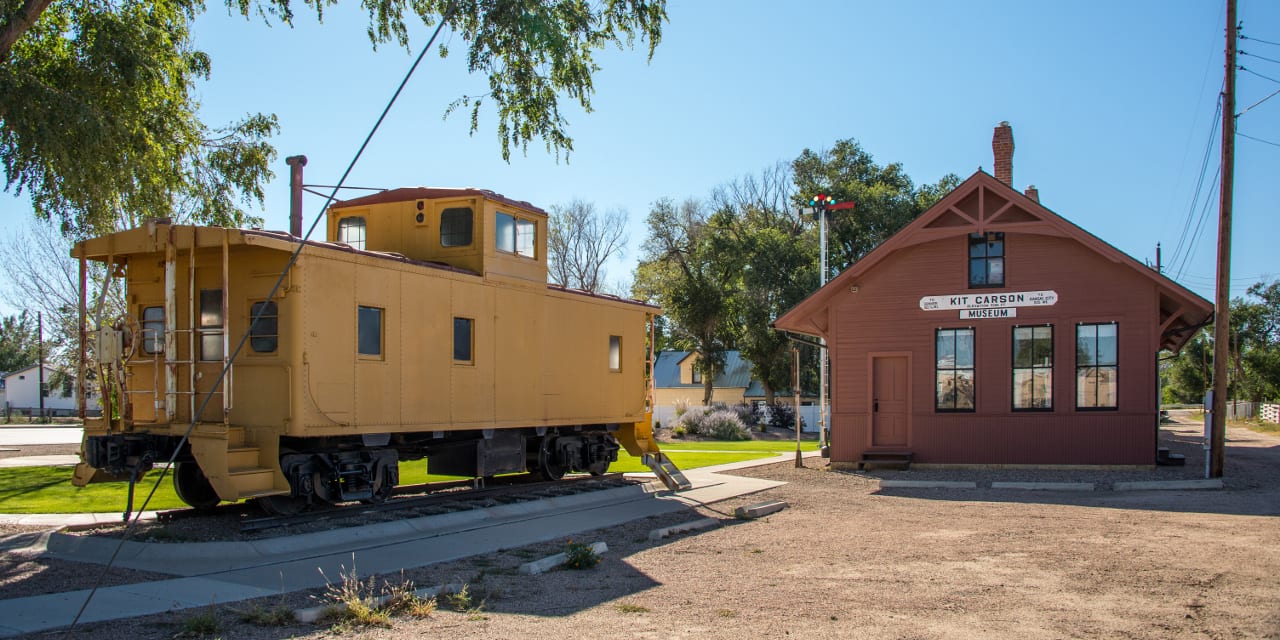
210,347
1043,381
369,331
1023,389
1086,345
210,308
995,270
1108,383
462,339
455,227
1107,344
1023,352
977,247
351,231
946,349
995,244
946,390
1043,346
977,271
526,231
263,332
964,348
615,353
505,233
964,389
1086,388
153,330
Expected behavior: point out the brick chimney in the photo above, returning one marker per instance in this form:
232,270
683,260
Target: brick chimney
1033,193
1002,147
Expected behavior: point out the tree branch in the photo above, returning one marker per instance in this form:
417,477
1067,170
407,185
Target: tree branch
21,22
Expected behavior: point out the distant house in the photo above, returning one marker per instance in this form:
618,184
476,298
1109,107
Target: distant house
675,380
22,391
2,392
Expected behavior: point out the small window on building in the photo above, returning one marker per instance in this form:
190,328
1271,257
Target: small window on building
1033,368
153,330
455,227
697,375
462,339
264,332
351,231
44,389
1097,366
66,387
954,368
369,331
515,235
986,259
211,335
615,353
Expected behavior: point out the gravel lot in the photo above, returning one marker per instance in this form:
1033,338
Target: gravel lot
847,560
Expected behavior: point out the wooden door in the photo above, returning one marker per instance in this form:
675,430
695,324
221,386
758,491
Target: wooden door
889,401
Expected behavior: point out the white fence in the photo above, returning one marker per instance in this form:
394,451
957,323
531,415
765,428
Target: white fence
1270,413
666,416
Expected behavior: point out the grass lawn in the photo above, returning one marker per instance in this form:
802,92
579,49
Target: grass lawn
49,490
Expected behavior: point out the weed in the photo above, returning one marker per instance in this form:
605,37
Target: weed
726,613
460,600
361,603
630,608
201,625
277,616
580,555
757,551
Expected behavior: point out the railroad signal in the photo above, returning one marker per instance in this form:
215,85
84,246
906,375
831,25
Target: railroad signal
821,201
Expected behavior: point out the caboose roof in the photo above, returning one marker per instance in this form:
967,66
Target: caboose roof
431,193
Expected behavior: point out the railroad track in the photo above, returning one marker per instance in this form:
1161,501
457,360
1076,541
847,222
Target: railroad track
423,500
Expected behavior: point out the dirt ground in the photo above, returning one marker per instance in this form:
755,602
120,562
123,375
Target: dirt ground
848,560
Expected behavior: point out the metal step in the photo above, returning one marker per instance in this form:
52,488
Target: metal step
666,471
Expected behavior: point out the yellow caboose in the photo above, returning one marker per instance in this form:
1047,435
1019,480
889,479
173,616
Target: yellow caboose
423,327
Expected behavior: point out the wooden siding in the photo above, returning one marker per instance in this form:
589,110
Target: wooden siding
884,315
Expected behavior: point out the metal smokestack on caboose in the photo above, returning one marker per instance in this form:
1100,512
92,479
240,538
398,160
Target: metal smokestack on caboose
296,163
1002,147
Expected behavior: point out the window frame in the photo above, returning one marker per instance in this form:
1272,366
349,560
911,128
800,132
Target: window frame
1115,365
382,333
470,227
206,330
973,369
274,336
517,224
363,242
470,360
157,338
1014,368
983,240
615,353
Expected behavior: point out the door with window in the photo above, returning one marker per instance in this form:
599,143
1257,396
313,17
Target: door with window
889,404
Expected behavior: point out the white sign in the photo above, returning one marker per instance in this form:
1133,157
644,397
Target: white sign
983,314
990,300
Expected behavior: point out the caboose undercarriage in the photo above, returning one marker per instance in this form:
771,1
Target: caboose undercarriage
331,470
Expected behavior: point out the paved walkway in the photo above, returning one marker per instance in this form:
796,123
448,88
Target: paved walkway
232,571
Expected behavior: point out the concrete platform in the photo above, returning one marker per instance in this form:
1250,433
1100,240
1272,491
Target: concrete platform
222,572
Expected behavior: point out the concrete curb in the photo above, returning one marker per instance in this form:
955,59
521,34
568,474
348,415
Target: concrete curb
1148,485
926,484
664,532
550,562
760,509
1045,486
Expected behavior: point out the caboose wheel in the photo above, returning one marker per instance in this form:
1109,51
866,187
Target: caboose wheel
548,465
191,485
599,468
282,505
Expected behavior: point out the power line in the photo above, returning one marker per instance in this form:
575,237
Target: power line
1204,214
1274,144
1204,169
1254,55
1259,74
1269,96
444,17
1244,37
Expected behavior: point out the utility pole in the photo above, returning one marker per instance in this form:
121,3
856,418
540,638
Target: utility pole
795,393
1222,300
40,354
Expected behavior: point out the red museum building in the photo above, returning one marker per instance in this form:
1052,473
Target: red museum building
992,331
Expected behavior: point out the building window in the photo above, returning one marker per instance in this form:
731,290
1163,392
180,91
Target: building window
153,330
455,227
515,235
1033,368
351,231
369,331
462,339
264,332
1097,366
697,375
954,379
615,353
210,325
986,259
66,387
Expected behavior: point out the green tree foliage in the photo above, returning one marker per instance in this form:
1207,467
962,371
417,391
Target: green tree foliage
886,199
1254,370
98,122
19,342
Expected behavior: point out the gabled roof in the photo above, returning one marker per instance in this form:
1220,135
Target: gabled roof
983,203
429,193
666,371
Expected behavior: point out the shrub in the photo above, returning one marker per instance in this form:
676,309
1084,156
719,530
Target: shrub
746,414
681,406
679,431
782,416
725,425
580,555
692,420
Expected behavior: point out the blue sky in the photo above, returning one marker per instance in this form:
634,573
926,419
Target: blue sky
1111,106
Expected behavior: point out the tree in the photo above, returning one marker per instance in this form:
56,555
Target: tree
682,272
19,342
886,199
580,242
97,116
1254,370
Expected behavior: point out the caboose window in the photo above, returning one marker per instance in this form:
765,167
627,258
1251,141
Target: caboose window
153,330
369,331
210,325
986,259
615,353
351,231
462,339
515,235
264,332
455,227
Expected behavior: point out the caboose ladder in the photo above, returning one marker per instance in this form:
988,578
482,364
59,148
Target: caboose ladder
637,439
232,459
